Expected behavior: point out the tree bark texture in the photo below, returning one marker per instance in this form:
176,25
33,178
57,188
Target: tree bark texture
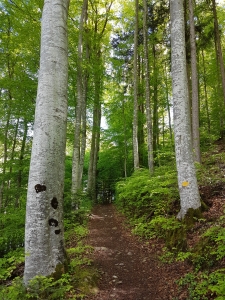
206,93
194,86
219,48
44,234
187,182
80,105
155,106
95,140
135,108
147,90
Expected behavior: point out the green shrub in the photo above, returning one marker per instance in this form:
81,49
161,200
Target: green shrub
143,196
12,223
10,262
204,285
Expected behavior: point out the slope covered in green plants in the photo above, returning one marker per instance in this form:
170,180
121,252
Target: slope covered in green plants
151,204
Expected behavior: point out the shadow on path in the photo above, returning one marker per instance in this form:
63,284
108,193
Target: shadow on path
129,269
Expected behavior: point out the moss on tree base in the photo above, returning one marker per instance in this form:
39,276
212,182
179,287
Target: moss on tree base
61,269
191,216
176,238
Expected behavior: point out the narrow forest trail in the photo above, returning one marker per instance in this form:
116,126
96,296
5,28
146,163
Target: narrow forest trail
129,268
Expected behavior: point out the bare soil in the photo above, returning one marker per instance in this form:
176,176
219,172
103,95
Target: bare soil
130,268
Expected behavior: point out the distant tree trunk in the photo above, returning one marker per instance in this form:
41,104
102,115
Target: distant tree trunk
155,105
95,139
194,85
168,104
97,66
10,159
147,91
219,48
187,182
141,135
205,93
5,153
44,233
96,151
10,63
84,113
125,144
19,176
76,171
135,108
83,129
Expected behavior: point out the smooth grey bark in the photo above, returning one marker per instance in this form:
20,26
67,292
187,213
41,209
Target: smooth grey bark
219,48
95,140
80,104
168,103
155,105
135,106
44,234
84,113
194,86
147,90
124,134
83,130
187,181
206,93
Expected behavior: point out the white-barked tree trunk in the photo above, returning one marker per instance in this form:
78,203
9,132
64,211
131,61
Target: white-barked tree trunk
44,234
187,182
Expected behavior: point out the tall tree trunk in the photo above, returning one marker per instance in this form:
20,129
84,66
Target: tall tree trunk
187,182
205,93
9,175
5,153
44,233
194,86
125,139
97,80
83,129
155,106
219,48
95,139
135,108
83,112
19,176
76,171
168,103
147,90
96,151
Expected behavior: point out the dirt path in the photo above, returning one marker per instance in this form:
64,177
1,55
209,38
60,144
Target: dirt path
129,268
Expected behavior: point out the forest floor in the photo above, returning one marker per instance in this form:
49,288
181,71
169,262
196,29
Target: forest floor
130,268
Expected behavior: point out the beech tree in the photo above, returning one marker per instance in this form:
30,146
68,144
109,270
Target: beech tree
147,89
218,47
135,74
187,181
44,238
99,18
80,108
194,87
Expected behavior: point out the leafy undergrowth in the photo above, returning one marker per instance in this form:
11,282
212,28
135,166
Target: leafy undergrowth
151,205
80,279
